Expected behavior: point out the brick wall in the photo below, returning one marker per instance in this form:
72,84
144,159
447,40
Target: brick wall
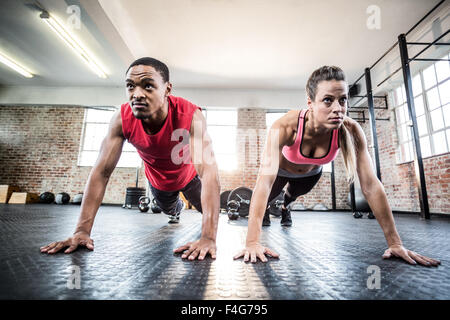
39,148
251,134
399,180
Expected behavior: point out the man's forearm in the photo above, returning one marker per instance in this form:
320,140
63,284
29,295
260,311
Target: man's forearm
93,196
380,207
210,198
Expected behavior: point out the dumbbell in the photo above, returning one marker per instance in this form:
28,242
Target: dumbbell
233,209
144,204
357,215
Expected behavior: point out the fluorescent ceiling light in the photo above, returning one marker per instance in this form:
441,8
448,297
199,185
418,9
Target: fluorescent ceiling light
72,43
15,66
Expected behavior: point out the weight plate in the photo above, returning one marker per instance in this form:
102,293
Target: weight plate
224,199
243,195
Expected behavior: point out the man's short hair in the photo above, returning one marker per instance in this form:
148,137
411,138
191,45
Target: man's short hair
158,65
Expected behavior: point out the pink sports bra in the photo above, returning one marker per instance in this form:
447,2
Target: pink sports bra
294,154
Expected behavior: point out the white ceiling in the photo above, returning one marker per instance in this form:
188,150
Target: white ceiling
259,43
220,44
26,38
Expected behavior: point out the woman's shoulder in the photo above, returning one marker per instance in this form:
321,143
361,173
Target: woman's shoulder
351,124
287,126
288,120
355,130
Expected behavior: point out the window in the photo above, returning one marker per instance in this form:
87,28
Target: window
271,117
96,124
222,128
431,91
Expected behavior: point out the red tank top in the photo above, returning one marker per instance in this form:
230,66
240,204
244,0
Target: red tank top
156,149
294,154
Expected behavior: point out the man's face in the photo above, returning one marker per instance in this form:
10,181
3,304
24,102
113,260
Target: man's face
330,104
146,90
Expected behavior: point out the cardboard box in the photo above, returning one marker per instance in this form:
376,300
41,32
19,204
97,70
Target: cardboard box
23,197
6,191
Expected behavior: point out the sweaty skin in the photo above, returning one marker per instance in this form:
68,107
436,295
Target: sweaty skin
147,93
327,112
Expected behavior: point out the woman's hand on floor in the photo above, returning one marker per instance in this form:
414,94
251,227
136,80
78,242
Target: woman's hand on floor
409,256
255,251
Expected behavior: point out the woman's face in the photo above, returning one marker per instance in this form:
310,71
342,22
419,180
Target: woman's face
330,104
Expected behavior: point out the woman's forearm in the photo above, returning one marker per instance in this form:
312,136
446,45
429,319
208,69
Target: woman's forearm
258,205
380,207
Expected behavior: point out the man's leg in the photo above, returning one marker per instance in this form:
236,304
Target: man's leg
192,193
296,188
277,187
169,202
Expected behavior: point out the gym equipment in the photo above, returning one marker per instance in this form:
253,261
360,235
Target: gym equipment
233,209
274,206
132,197
23,197
243,196
155,208
319,207
62,198
77,198
144,203
224,199
134,194
47,197
358,202
297,207
357,215
354,90
6,191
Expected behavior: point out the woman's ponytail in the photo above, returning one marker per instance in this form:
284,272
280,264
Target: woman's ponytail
348,148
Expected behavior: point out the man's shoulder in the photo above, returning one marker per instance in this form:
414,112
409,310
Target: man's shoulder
182,104
124,108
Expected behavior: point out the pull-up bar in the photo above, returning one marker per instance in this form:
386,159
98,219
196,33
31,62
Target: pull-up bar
396,43
417,59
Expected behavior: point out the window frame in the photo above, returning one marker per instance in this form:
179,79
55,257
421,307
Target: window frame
427,114
83,141
205,111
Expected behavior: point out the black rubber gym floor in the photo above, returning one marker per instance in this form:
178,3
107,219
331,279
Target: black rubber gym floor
324,255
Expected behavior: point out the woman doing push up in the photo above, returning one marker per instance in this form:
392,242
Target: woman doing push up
299,144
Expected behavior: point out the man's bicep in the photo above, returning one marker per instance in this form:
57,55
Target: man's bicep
202,154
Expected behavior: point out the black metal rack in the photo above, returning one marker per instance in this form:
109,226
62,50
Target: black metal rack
405,61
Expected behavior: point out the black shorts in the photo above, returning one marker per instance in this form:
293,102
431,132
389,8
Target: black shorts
167,200
296,185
